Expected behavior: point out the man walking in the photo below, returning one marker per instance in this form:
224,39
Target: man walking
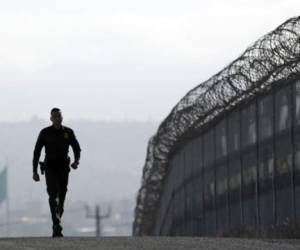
56,139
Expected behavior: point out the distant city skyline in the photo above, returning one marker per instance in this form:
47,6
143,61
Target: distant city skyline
117,60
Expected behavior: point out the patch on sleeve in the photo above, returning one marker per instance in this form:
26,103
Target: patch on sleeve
66,135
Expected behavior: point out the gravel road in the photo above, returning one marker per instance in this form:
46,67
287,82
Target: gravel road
145,243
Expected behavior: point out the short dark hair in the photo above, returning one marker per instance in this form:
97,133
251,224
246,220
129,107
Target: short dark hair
55,110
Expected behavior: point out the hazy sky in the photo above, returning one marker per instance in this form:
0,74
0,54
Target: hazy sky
119,59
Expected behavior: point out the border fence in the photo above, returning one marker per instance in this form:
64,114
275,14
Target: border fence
228,154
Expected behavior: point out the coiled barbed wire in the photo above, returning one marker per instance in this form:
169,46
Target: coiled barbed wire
274,57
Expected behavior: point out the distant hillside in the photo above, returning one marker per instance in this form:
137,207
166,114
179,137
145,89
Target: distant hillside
113,154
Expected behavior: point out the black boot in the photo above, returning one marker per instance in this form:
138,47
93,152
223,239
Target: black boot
57,231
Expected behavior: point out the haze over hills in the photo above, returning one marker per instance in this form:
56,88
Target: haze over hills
110,170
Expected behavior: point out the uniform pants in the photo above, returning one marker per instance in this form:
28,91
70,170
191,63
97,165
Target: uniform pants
57,182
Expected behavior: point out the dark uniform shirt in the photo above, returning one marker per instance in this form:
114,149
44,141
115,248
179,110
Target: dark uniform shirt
56,142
